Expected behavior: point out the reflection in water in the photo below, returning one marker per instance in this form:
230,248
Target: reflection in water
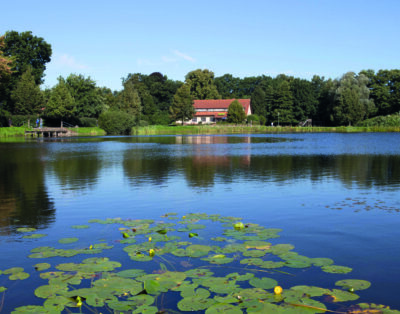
76,170
29,169
23,194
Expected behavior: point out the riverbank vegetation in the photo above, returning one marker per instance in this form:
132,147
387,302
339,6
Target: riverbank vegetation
260,129
155,99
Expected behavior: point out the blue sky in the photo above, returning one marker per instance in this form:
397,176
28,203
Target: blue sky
107,40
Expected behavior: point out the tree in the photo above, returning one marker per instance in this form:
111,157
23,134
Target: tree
236,112
61,104
27,96
304,99
129,100
351,100
227,86
28,50
282,105
257,102
5,62
385,90
89,100
201,84
182,104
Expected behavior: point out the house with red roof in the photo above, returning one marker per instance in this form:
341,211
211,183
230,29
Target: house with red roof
213,110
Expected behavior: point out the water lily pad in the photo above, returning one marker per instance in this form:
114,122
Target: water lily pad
219,239
199,273
80,227
271,264
142,299
26,229
259,245
42,266
223,308
145,309
342,296
13,270
252,294
336,269
48,291
194,304
34,236
197,250
218,259
311,291
321,261
264,283
2,289
354,284
238,277
118,305
67,240
36,309
131,273
254,253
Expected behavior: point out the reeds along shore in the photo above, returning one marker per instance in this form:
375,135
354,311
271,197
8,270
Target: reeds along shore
237,129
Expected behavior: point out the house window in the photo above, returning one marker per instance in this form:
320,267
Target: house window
194,119
203,119
212,119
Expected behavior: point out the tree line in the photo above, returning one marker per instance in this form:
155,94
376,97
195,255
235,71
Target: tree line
156,99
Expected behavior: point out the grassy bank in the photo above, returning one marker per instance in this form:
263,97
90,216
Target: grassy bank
239,129
94,131
12,132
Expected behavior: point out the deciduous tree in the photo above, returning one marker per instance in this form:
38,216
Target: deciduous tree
201,84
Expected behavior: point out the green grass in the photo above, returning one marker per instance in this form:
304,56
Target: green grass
12,132
88,131
240,129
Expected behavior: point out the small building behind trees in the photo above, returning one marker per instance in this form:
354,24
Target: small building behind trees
210,111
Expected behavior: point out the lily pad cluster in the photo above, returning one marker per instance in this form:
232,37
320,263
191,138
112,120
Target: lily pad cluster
170,268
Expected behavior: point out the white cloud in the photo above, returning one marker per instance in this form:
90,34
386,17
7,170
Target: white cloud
68,61
183,56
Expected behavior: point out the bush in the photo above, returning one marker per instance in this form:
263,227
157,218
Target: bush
22,120
87,122
116,122
263,120
387,121
143,123
253,119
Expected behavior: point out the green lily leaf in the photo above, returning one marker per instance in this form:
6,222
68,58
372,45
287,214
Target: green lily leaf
335,269
194,304
223,308
26,229
42,266
353,284
34,236
80,227
67,240
264,283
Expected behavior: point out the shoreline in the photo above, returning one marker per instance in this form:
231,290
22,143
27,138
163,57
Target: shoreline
19,132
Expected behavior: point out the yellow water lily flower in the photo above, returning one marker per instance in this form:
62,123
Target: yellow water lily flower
278,290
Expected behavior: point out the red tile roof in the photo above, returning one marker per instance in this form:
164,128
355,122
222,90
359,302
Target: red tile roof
220,104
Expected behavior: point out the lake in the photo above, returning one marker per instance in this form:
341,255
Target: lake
333,195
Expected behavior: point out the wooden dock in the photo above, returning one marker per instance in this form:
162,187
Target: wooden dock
50,132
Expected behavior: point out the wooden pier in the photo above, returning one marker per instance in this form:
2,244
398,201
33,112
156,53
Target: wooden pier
50,132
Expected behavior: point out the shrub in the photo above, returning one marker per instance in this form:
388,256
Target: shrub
22,120
143,123
116,122
87,122
387,121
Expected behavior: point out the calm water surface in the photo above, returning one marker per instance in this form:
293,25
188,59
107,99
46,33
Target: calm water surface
334,195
